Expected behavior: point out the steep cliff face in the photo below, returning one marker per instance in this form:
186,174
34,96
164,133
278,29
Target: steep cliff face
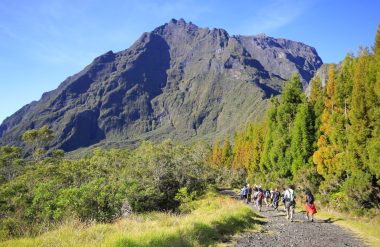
178,81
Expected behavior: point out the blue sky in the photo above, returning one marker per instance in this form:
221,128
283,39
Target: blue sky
42,42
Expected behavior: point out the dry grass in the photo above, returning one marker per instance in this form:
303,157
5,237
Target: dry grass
212,220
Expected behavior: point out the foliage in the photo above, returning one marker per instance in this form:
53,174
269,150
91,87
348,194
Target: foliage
328,142
96,187
11,163
38,139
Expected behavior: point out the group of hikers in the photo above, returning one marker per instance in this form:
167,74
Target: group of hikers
271,198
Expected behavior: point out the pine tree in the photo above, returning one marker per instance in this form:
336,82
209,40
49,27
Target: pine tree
216,153
374,142
237,150
277,156
226,152
301,147
323,157
316,99
377,61
330,88
359,130
259,132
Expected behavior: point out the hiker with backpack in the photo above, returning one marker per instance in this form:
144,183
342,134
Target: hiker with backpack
290,202
283,197
254,195
275,199
259,201
266,197
310,206
249,197
244,193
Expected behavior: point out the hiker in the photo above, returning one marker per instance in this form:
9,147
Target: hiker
283,197
254,196
275,199
290,202
310,206
271,197
249,197
244,193
266,197
259,202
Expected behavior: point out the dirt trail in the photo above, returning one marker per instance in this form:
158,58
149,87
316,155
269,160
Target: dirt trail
278,231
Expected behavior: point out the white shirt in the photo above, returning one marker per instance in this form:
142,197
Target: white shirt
287,193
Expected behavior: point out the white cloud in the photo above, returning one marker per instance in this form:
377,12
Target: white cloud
274,15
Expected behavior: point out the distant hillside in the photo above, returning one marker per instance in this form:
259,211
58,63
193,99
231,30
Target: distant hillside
178,81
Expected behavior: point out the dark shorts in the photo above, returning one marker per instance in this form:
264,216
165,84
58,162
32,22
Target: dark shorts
244,196
290,205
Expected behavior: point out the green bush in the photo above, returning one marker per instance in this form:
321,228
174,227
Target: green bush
96,187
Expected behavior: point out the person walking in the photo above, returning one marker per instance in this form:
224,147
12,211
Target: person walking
244,193
309,205
260,196
249,197
266,197
275,199
254,195
290,202
283,197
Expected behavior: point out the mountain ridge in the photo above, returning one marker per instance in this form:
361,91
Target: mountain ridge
178,81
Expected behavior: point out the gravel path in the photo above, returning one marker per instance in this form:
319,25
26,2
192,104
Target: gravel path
278,231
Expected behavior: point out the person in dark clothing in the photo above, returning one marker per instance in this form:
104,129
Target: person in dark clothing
275,199
250,190
244,193
267,196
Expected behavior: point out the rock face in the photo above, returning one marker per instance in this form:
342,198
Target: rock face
178,81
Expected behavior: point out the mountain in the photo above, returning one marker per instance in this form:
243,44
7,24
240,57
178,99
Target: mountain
179,81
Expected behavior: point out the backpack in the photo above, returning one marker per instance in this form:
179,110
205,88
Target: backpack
244,191
276,195
310,199
267,194
291,196
260,196
255,195
250,190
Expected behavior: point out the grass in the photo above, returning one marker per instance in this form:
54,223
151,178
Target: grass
365,228
213,219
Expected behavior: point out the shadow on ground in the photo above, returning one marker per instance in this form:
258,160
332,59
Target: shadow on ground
330,220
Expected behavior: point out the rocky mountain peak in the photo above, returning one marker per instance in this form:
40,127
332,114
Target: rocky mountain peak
176,25
179,81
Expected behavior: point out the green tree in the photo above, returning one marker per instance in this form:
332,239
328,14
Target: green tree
316,99
359,130
374,141
216,157
226,151
323,157
10,163
301,148
277,157
38,139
